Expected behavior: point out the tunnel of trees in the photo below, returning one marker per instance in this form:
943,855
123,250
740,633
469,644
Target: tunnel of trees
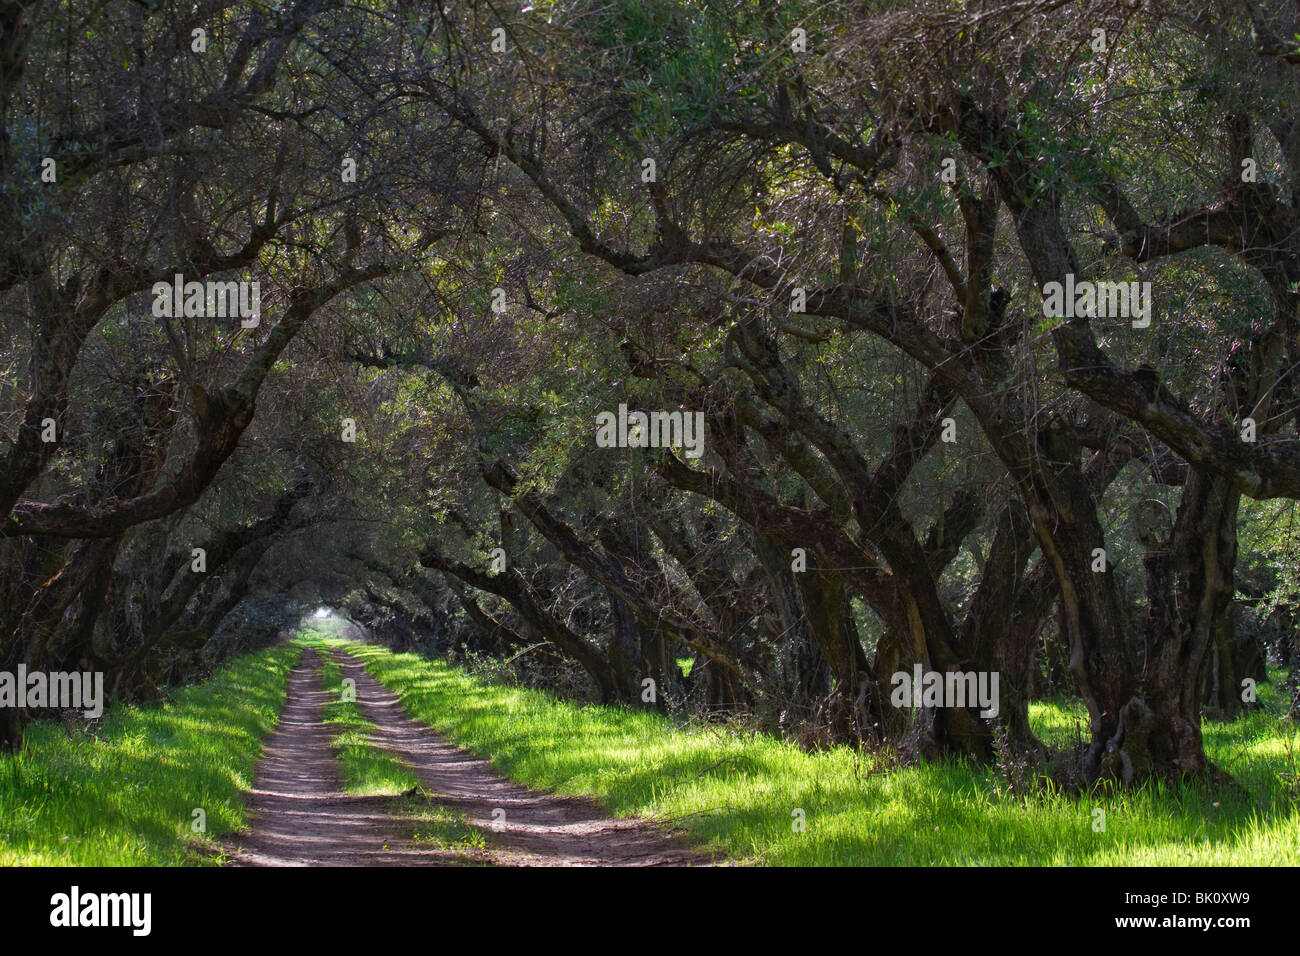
827,228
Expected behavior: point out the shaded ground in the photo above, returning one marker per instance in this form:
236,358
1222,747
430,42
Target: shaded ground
300,817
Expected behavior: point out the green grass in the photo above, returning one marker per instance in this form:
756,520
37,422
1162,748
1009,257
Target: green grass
738,793
125,795
440,827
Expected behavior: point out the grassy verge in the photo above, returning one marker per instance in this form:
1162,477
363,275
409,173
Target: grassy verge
126,794
745,795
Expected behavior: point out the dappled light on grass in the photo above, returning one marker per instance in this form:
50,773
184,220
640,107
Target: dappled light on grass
126,794
737,794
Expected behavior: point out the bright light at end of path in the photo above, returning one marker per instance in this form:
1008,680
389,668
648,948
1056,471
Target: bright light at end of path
322,612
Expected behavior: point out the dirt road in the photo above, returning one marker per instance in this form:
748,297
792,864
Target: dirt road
300,816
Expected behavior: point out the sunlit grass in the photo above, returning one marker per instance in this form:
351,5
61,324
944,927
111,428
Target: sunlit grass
126,795
738,794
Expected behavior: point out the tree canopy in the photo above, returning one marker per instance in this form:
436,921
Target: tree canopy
987,312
